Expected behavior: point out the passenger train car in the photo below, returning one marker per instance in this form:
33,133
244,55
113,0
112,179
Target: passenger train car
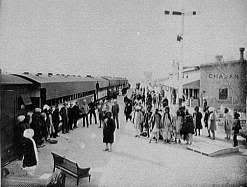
35,90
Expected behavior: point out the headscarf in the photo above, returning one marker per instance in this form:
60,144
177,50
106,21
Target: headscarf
46,107
20,118
37,110
211,109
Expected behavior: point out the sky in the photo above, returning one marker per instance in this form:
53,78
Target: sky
117,37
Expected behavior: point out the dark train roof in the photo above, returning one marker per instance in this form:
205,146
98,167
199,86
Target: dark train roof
103,83
60,85
114,81
6,79
122,80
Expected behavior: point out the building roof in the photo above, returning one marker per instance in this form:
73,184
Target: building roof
220,63
7,79
190,69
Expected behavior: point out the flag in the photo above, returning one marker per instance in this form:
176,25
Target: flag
179,38
167,12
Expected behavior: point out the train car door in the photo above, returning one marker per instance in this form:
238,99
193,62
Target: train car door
7,125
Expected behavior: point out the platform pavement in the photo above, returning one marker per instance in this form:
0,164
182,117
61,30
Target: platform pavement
206,146
135,162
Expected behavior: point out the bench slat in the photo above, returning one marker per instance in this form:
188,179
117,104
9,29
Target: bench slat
67,171
70,165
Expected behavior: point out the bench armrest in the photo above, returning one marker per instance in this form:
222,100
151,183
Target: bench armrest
83,171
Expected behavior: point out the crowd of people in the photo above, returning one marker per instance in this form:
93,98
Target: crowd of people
36,127
150,113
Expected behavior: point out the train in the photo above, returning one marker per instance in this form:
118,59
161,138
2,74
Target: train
36,90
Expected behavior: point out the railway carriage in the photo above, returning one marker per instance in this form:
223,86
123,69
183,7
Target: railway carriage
14,92
56,89
35,90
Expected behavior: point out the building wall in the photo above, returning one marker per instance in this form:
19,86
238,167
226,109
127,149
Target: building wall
224,75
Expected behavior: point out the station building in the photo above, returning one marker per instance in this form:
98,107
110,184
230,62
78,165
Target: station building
223,83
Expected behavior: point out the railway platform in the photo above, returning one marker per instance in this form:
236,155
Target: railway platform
208,147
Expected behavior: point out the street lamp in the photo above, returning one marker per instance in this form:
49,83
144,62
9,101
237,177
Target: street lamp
180,38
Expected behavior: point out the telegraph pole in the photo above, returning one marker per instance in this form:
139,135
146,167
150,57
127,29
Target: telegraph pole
180,39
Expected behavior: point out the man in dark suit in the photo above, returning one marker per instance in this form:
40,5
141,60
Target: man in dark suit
64,116
91,106
84,111
115,111
76,111
55,120
70,116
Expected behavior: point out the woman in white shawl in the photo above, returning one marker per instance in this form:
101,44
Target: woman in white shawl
30,153
212,122
227,124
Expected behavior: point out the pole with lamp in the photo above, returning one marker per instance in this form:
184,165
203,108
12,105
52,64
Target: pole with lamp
180,39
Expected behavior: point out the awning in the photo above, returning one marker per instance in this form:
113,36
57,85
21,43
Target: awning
191,81
26,99
192,85
170,83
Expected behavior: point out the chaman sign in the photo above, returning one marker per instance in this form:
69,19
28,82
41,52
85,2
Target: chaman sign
223,76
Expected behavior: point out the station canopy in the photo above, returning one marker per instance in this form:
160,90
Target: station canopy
192,82
192,85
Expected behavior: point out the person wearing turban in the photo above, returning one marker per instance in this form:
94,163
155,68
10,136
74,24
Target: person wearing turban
30,153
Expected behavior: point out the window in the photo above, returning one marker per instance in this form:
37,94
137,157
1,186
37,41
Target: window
223,93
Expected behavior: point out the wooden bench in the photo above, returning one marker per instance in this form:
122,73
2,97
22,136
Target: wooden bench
70,167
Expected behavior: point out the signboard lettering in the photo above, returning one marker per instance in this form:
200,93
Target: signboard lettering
223,76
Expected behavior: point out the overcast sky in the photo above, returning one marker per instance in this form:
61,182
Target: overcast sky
116,37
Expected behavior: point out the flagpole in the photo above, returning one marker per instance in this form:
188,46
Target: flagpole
180,39
181,64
